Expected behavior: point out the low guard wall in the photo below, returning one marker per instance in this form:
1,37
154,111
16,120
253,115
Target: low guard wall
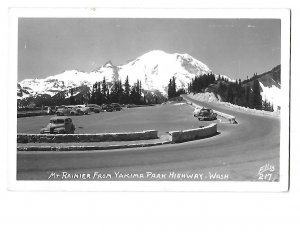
229,117
68,138
193,134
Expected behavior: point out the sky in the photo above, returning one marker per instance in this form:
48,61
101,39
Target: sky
233,47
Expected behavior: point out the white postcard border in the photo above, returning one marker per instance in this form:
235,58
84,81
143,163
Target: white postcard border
282,185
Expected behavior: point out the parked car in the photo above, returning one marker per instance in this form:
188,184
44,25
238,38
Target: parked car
205,114
116,106
58,107
63,111
83,109
76,111
59,125
107,108
94,108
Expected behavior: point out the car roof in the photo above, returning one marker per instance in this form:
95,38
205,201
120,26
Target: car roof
60,117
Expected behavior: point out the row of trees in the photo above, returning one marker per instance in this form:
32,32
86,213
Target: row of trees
244,93
199,83
172,89
118,93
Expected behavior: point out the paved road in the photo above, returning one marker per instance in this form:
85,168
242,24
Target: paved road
236,153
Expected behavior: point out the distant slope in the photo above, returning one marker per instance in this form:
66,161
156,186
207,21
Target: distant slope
270,88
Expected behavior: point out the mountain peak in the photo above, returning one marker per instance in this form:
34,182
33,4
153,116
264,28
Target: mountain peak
108,64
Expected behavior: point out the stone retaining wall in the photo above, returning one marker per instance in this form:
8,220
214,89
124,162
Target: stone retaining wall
193,134
30,114
68,138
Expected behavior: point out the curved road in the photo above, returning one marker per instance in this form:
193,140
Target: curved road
237,153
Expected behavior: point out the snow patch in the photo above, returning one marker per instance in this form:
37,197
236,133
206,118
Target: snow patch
272,95
207,97
240,108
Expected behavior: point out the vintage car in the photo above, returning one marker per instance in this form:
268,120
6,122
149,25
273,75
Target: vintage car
82,109
205,114
107,108
116,106
59,125
76,111
196,112
62,111
94,108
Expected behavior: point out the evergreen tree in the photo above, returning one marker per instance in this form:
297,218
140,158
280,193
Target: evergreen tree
93,95
174,86
98,100
72,99
140,88
272,108
247,95
126,91
229,93
104,91
170,94
82,100
121,93
257,99
108,100
135,94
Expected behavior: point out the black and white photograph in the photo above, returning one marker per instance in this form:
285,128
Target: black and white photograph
194,100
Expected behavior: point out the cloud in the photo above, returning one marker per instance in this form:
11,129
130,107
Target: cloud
251,26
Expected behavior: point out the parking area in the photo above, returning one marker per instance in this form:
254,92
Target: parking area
163,118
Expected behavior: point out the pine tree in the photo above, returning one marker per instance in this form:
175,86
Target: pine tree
247,95
174,86
108,100
98,95
137,88
121,93
127,91
92,98
272,108
140,88
72,99
170,95
257,99
229,93
104,91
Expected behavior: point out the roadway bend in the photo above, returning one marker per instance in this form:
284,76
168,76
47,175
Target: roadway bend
238,151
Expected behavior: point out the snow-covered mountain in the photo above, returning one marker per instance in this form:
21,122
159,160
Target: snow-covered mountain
154,69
